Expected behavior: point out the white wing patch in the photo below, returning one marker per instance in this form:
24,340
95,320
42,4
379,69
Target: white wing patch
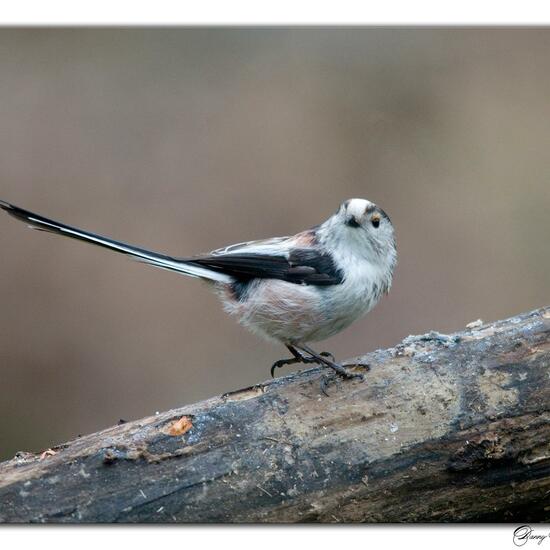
277,245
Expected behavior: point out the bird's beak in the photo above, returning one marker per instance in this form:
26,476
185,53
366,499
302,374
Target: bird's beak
352,221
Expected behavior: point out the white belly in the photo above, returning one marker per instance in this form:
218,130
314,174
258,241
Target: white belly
291,313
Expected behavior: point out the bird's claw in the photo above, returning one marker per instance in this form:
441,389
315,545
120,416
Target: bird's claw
279,364
343,374
339,371
292,361
364,366
325,381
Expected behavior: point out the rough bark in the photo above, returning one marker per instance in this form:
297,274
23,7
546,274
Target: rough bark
444,428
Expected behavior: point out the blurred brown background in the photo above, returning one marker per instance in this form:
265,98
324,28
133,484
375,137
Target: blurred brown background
183,140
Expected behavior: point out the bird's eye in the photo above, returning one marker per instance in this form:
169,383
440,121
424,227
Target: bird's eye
375,220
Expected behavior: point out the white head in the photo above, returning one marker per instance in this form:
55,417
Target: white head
364,227
365,221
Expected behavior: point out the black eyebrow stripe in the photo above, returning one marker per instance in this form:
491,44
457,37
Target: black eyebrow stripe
383,214
378,210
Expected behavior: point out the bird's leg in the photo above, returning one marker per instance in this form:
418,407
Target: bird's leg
322,359
304,359
298,358
364,366
327,354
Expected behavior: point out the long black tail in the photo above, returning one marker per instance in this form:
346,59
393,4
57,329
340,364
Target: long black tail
36,221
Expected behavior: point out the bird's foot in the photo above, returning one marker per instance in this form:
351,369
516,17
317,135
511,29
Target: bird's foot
327,354
280,364
341,372
301,358
363,366
323,358
291,361
326,379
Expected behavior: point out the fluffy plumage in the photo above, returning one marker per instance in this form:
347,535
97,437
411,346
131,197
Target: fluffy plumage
294,289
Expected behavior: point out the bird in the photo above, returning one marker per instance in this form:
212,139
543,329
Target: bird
293,290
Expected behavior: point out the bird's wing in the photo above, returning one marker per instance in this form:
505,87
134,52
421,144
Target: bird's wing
294,259
273,245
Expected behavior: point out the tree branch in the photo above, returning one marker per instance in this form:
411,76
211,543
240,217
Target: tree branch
444,428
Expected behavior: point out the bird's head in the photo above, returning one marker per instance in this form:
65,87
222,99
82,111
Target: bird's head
365,220
362,229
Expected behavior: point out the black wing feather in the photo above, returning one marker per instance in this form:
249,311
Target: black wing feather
303,266
309,266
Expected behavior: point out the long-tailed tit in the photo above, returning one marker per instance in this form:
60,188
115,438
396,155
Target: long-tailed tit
293,290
